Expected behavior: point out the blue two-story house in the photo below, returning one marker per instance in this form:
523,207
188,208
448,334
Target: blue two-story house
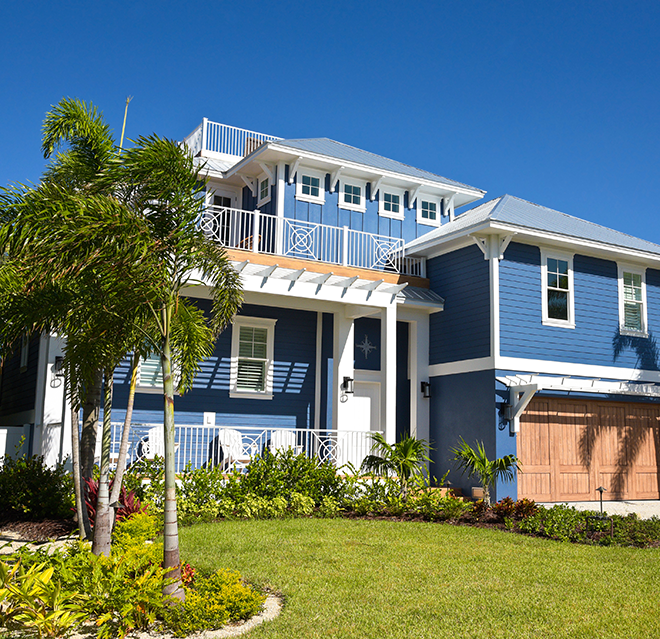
372,305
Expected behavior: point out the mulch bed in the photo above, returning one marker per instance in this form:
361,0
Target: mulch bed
39,530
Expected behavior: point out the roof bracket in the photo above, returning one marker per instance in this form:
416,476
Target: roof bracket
321,279
239,267
267,170
267,272
294,169
519,398
412,195
347,282
295,275
249,183
334,177
374,188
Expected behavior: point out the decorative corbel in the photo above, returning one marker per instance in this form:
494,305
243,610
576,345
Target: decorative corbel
334,177
294,169
412,196
374,188
249,182
268,171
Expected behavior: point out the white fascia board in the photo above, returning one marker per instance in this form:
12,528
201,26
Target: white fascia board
477,194
462,366
433,246
429,307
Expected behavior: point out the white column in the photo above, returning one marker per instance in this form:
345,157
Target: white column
343,366
388,372
494,266
418,343
279,209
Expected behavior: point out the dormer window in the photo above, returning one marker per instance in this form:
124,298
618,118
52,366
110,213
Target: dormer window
351,195
390,202
310,186
428,210
264,190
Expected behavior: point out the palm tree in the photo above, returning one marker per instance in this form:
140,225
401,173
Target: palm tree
404,459
475,462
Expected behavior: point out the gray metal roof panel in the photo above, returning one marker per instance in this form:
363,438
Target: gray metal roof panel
512,210
340,151
425,295
213,164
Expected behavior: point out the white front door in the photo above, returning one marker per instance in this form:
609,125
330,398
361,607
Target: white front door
355,445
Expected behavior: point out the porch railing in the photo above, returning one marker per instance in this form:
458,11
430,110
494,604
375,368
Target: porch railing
233,447
260,233
212,137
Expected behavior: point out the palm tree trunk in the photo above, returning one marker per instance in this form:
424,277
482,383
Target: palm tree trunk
172,562
125,434
90,407
102,527
84,528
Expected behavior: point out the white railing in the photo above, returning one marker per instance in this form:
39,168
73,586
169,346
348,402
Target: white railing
232,447
212,137
254,231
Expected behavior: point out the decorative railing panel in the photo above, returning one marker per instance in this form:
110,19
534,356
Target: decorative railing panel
254,231
234,447
213,137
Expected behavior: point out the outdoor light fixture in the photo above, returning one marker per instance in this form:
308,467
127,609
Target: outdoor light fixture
601,490
426,389
58,367
347,385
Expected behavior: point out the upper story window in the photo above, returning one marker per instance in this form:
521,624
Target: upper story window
390,203
264,190
310,186
558,302
150,375
352,195
632,300
428,210
252,348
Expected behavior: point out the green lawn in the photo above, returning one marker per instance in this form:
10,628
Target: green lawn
363,579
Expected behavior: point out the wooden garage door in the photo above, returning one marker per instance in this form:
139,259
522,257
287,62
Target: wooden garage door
568,448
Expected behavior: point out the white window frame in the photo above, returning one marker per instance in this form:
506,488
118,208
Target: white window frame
25,352
299,184
381,202
261,201
253,322
156,389
349,206
438,206
636,270
551,321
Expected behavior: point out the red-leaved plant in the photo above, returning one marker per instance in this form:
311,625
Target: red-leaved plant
129,504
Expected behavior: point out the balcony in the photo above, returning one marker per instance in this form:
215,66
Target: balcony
260,233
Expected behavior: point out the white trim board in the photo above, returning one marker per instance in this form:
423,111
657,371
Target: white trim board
540,366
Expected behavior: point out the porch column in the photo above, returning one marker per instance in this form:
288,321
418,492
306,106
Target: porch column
419,372
343,366
279,209
388,372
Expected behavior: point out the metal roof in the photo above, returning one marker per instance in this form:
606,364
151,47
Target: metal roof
213,164
340,151
515,211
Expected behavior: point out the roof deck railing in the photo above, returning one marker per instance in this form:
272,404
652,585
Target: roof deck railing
261,233
214,139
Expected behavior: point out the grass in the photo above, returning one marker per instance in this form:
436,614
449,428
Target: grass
380,579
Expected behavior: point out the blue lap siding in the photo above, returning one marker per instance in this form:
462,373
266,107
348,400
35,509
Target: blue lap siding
595,339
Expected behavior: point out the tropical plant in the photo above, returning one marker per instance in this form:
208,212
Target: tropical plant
404,459
474,462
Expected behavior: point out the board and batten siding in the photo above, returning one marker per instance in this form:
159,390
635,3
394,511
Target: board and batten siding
595,339
292,404
331,214
462,330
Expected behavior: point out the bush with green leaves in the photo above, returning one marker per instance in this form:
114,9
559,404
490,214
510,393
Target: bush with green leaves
29,489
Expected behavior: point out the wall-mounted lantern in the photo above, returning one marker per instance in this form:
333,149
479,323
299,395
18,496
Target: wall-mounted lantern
426,389
347,385
58,367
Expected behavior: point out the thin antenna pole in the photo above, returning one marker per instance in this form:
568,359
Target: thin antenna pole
123,128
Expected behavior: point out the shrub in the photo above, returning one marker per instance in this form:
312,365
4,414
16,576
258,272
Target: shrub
330,507
129,503
505,508
526,508
212,602
29,489
561,522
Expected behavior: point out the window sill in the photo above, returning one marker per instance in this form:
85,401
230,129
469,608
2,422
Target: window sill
309,199
427,222
264,201
356,208
558,323
393,216
248,395
152,390
631,332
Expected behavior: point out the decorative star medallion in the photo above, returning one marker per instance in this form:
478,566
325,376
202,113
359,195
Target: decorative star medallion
366,347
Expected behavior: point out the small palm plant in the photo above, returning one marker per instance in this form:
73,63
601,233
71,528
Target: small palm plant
404,459
474,462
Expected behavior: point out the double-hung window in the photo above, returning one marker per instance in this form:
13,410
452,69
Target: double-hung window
390,203
632,300
252,357
558,302
352,195
150,375
310,186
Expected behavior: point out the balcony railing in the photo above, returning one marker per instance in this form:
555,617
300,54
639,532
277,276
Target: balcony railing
234,447
213,138
254,231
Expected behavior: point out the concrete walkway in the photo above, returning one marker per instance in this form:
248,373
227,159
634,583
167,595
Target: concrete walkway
644,509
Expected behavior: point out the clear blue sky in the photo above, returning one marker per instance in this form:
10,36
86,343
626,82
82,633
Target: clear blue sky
555,102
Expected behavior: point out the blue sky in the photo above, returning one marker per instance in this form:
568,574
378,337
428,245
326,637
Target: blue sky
555,102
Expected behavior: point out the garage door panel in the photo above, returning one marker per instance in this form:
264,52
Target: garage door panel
570,447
